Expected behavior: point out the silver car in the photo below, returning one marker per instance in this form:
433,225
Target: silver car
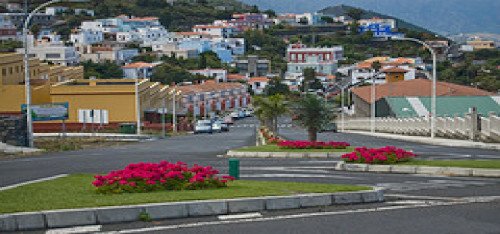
203,126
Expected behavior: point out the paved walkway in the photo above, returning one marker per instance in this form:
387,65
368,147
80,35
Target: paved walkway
430,141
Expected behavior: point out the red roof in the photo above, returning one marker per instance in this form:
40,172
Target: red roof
394,70
139,65
416,88
236,77
258,79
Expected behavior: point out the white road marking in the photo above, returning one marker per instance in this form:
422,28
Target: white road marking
296,216
297,176
82,229
32,182
320,162
240,216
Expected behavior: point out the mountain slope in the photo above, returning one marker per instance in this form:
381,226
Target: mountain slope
442,16
343,9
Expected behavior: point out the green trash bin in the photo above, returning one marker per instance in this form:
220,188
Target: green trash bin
234,168
128,128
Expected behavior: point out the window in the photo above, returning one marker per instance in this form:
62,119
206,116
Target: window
4,71
52,56
10,70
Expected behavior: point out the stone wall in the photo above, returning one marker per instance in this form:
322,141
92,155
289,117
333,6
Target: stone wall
13,130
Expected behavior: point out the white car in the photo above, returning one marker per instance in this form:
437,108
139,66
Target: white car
203,126
216,126
235,115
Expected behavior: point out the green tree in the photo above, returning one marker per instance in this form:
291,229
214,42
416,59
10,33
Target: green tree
276,87
269,109
105,70
309,77
147,58
169,73
312,113
327,19
355,13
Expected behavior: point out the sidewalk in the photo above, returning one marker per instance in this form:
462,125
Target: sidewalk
430,141
114,136
10,149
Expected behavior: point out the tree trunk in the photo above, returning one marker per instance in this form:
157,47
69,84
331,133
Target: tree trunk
276,126
313,135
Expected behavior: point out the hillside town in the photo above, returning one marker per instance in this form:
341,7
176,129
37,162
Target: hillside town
76,77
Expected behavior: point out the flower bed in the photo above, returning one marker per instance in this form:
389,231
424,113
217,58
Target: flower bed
312,145
146,177
385,155
270,136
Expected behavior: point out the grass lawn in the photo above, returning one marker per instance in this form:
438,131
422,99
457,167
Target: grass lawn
275,148
490,164
76,191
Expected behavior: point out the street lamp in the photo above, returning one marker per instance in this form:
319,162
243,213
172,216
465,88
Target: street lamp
27,84
174,117
434,80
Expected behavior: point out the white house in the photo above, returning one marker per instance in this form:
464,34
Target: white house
220,75
53,50
215,30
139,70
258,84
86,37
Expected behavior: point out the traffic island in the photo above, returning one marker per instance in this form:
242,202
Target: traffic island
274,151
465,168
72,201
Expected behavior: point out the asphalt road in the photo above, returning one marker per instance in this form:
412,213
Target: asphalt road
416,203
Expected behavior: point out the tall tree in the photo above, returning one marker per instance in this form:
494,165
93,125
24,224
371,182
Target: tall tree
269,109
276,87
312,113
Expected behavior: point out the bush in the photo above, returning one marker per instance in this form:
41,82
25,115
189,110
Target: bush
147,177
312,145
385,155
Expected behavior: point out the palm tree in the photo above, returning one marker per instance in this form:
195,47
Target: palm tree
312,113
268,109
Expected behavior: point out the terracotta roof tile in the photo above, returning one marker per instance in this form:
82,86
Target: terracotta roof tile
258,79
394,70
417,88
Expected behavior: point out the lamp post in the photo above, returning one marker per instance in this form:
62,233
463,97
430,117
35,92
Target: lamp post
138,106
27,84
174,114
373,107
434,80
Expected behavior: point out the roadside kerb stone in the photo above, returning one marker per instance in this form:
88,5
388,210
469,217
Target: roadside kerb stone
347,198
486,172
204,208
315,200
356,167
7,223
374,196
317,155
118,214
167,211
456,171
297,155
262,154
279,154
335,154
430,170
246,205
56,219
379,168
282,203
404,169
30,221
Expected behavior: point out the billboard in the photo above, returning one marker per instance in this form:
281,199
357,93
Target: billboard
49,111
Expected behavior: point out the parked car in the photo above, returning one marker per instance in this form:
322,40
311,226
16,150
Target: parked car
235,115
216,126
330,127
220,125
203,126
249,112
228,119
241,114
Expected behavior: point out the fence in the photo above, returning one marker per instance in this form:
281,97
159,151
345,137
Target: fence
485,128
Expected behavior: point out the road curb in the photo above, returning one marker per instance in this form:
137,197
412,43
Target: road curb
320,155
396,169
172,210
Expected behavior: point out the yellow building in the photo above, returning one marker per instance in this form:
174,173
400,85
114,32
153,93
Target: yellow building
12,89
114,100
394,74
480,44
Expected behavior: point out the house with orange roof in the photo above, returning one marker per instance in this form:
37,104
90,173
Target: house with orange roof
258,84
363,72
139,70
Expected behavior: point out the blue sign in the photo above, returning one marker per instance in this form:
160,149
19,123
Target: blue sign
48,112
379,30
